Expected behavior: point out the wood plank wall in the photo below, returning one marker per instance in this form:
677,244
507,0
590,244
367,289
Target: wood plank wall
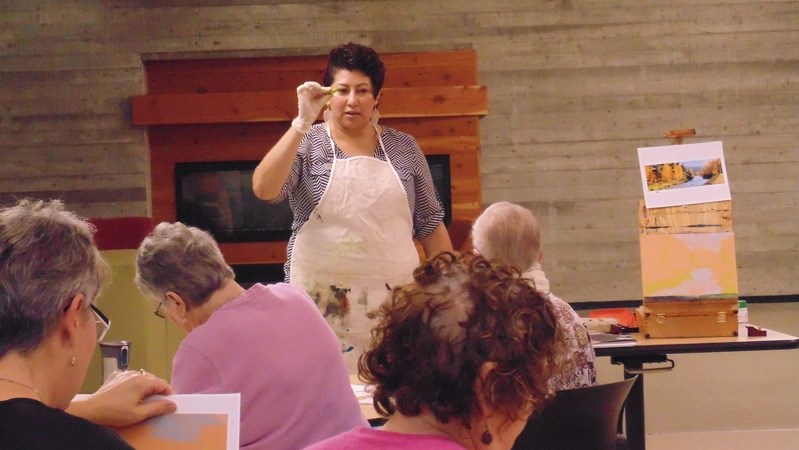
575,86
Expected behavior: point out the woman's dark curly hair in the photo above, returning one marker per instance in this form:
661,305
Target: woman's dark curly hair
356,57
436,333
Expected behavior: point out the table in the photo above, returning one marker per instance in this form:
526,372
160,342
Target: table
367,409
647,351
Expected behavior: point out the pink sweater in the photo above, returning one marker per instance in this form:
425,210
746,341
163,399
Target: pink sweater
271,345
366,438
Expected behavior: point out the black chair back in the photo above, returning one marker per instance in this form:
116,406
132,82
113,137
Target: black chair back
585,419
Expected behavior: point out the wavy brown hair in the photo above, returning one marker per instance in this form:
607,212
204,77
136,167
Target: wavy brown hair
436,333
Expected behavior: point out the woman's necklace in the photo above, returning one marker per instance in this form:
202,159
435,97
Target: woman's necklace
9,381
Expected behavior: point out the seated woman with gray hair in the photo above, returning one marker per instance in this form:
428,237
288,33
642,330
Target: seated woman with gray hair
511,233
268,342
50,277
460,358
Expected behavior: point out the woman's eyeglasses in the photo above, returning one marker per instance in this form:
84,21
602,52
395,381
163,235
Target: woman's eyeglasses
102,323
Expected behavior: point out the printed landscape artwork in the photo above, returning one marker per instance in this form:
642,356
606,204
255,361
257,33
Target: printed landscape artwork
688,266
683,174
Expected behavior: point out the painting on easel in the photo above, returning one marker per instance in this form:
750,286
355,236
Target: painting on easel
683,174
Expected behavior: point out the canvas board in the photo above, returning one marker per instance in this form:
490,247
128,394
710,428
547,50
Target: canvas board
686,174
688,266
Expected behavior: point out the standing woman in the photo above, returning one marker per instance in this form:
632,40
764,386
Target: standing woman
360,193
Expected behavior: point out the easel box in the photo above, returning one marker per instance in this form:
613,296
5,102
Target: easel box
688,318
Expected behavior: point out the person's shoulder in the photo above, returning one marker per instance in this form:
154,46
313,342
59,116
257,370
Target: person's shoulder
283,295
39,426
562,308
557,301
280,288
345,440
398,136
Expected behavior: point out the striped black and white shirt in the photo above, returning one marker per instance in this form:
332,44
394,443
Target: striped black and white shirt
311,172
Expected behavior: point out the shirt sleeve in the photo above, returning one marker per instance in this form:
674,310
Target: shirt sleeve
193,372
296,169
427,212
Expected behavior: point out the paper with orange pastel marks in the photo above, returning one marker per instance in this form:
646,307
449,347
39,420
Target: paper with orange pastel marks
178,432
201,421
689,266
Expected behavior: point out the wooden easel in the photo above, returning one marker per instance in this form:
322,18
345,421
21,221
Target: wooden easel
691,318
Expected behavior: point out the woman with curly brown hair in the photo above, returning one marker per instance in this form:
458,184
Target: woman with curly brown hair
460,359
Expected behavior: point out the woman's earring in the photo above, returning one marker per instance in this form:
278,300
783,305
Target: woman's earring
375,117
73,361
327,116
486,438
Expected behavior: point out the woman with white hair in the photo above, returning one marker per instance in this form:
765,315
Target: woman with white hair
268,342
511,233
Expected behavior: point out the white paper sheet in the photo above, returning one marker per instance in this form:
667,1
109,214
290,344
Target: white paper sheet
688,158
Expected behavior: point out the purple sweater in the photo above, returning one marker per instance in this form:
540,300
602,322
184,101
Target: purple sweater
271,345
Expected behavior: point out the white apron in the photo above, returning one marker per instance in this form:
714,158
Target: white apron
357,244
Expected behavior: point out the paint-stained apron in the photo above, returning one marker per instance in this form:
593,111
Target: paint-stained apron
357,244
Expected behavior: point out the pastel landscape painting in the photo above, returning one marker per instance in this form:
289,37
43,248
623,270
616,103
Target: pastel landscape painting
688,266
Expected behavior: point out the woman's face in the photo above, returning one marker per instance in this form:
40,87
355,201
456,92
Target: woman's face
353,104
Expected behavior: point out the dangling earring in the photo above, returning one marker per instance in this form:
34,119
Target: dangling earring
486,438
327,116
73,361
375,117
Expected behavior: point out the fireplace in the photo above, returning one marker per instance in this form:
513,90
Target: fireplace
218,197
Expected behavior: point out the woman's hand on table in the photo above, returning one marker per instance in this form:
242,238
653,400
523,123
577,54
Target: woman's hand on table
122,400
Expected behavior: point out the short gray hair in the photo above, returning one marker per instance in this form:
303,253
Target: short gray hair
47,256
508,232
181,259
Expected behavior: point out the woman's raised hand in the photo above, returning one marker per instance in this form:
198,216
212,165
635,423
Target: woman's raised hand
311,98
